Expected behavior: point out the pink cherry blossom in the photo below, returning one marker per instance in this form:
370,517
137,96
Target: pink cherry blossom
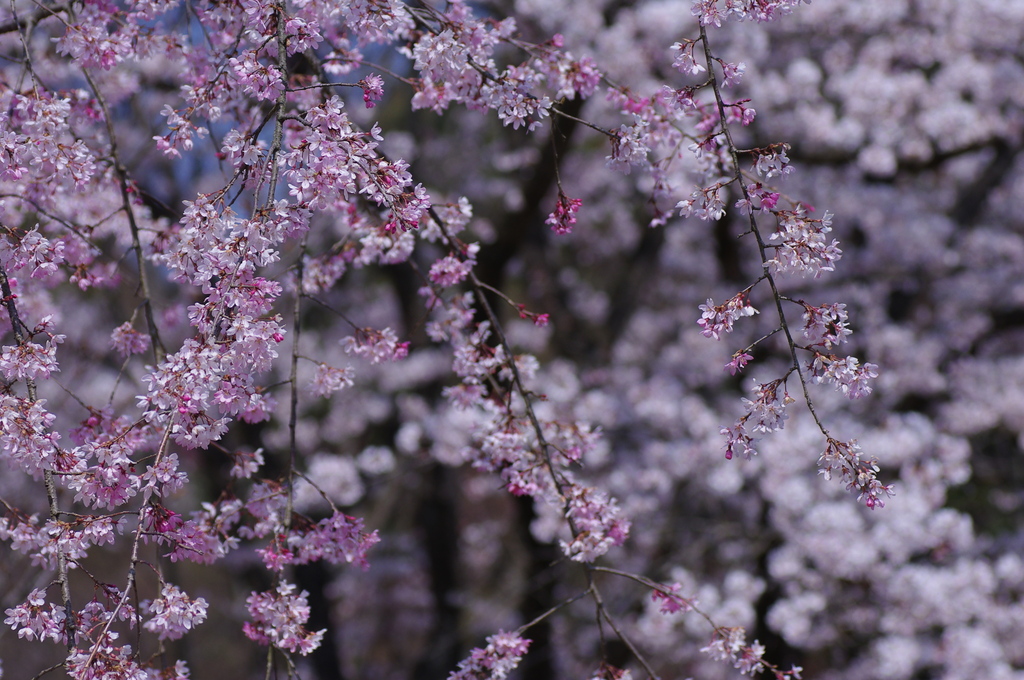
278,619
213,208
173,614
718,319
563,218
376,346
500,657
126,340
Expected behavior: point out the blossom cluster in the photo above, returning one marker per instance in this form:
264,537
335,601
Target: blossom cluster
35,619
857,472
500,657
849,376
798,244
802,246
715,12
456,62
826,325
718,319
279,617
766,413
376,345
597,524
173,614
730,644
317,207
562,219
670,600
30,361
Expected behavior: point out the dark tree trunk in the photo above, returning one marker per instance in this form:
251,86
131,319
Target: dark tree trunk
438,523
538,597
326,659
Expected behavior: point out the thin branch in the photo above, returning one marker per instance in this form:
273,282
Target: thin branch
42,12
761,245
46,671
552,610
134,560
126,203
622,636
51,488
293,394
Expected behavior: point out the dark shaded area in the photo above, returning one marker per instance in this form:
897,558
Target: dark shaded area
727,250
972,199
776,647
994,495
538,597
438,523
632,285
526,225
901,302
326,659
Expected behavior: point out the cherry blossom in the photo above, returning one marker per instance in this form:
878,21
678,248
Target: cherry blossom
214,208
30,361
597,522
670,600
563,218
803,247
502,655
449,271
35,619
329,379
826,325
376,346
126,340
278,618
857,471
173,614
718,319
847,374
